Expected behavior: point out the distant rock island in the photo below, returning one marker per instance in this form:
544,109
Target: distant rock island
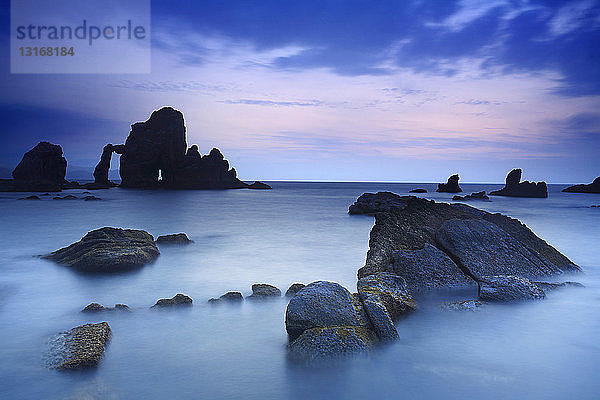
155,155
593,187
451,186
515,188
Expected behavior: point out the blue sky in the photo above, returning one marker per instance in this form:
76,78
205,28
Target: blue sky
344,90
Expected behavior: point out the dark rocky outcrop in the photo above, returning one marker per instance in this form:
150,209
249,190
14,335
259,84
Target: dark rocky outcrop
451,186
79,348
96,308
439,245
32,197
101,171
259,185
158,147
67,197
294,288
515,188
232,296
418,190
372,203
179,300
263,291
175,238
327,345
473,196
503,288
42,169
91,198
593,187
108,250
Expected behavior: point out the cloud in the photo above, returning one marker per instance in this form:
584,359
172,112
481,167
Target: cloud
253,102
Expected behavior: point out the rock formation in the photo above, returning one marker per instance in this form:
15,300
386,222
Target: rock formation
437,245
418,190
593,187
97,308
451,186
473,196
42,169
79,348
175,238
515,188
264,290
101,171
108,250
370,204
294,288
179,300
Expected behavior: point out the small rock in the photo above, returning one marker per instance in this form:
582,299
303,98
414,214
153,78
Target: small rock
508,288
80,347
32,197
176,238
214,301
176,301
91,198
95,308
86,192
264,290
294,288
595,206
473,196
67,197
451,186
232,296
418,190
463,305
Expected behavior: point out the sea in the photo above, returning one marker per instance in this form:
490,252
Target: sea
297,232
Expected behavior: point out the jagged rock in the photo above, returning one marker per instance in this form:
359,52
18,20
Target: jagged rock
158,146
593,187
67,197
91,198
463,305
232,296
80,347
322,304
95,308
108,250
326,345
370,203
263,291
545,286
428,268
515,188
101,170
508,288
175,238
437,245
418,190
179,300
451,186
294,288
473,196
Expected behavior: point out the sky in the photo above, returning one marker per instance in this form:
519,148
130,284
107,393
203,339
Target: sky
407,91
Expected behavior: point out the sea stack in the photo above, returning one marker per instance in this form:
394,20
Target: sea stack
515,188
593,187
451,186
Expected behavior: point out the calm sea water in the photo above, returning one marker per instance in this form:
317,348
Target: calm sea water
298,232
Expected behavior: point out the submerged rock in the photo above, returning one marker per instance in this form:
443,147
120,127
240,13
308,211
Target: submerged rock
294,288
463,305
32,197
418,190
95,308
232,296
80,347
108,250
91,198
370,203
179,300
322,304
451,186
515,188
473,196
176,238
263,291
593,187
502,288
322,346
545,286
67,197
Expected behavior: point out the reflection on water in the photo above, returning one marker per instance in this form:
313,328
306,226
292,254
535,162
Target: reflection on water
299,232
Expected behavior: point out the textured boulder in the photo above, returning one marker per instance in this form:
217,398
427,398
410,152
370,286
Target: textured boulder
593,187
439,245
179,300
418,190
108,250
322,304
502,288
463,305
42,169
294,288
473,196
451,186
232,296
96,308
322,346
263,291
372,203
515,188
79,348
175,238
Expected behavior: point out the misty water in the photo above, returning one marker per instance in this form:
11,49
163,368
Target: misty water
297,232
